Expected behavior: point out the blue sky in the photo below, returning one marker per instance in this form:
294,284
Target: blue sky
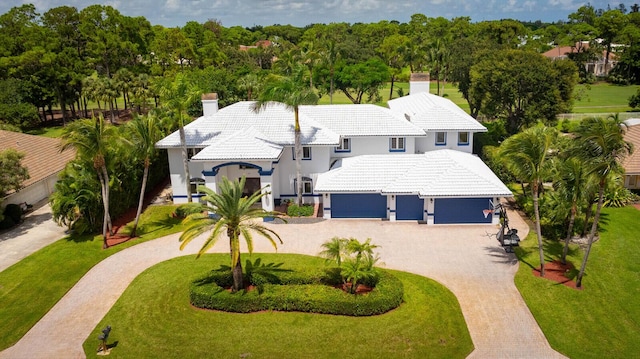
172,13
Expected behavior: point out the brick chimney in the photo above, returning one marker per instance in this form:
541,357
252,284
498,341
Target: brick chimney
209,104
418,82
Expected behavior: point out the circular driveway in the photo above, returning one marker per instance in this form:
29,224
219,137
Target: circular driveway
466,259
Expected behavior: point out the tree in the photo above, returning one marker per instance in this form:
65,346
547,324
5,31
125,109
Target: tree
93,140
234,214
610,25
634,100
362,78
390,50
526,156
145,133
335,250
176,95
293,93
515,85
601,145
12,173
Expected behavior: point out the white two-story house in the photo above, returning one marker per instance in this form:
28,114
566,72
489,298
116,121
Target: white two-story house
411,161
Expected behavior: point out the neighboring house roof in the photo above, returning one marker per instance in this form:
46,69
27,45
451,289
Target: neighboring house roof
361,120
561,52
631,163
434,113
247,144
441,173
42,154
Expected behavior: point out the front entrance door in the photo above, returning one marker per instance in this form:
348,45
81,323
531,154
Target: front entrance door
251,186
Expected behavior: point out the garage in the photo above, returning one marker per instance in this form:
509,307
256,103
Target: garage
358,205
461,210
409,208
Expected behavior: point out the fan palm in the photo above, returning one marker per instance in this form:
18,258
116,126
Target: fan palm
93,141
601,145
234,214
293,93
526,156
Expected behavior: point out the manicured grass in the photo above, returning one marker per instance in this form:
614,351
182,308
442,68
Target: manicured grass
603,319
153,318
31,287
52,132
603,98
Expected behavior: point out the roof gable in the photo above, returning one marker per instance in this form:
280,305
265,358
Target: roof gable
247,144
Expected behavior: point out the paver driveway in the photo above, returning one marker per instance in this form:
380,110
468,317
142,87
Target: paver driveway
464,258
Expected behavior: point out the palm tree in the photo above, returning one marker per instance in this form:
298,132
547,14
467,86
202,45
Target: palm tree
293,93
145,133
234,214
572,185
335,250
600,143
93,141
330,56
177,95
526,156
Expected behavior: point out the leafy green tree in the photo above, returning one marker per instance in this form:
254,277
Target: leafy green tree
75,203
176,96
363,78
145,133
236,216
12,173
634,100
293,93
391,52
601,145
610,26
93,141
526,156
15,110
514,85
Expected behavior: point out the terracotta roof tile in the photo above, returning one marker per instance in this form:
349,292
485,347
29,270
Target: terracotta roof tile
632,162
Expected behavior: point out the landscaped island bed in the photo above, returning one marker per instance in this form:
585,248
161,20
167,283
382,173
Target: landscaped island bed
154,318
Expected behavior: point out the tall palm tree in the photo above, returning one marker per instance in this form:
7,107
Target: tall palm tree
177,95
600,143
293,93
237,216
573,185
145,133
93,141
526,156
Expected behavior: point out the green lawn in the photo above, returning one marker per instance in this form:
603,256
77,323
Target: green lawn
603,98
31,287
153,318
52,132
603,319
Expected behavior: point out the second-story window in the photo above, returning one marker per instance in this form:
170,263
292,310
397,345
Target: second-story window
345,145
396,144
441,138
463,138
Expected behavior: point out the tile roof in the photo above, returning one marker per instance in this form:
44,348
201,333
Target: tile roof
434,113
42,155
631,163
275,122
361,120
442,173
247,144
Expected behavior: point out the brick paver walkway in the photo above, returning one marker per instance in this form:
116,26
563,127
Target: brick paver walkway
464,258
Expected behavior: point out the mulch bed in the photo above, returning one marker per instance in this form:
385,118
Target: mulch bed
556,271
127,217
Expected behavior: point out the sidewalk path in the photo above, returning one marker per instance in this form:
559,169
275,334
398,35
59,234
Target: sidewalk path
37,231
466,259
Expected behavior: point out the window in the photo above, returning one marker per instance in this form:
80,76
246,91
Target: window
463,138
306,153
195,183
396,144
192,152
632,181
441,138
307,185
345,145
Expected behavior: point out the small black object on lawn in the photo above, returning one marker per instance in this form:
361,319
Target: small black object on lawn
103,338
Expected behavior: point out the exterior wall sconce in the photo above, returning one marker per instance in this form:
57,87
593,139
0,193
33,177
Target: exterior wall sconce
431,200
393,197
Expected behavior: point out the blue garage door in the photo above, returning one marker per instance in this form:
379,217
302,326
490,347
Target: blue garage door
358,206
461,210
409,208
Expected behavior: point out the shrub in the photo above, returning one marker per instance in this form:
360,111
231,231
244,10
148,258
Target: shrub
189,208
7,223
14,212
301,291
306,210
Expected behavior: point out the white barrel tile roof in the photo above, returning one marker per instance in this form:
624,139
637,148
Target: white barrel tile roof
247,144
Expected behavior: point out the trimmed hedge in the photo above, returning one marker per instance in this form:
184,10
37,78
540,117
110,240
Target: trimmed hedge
309,291
306,210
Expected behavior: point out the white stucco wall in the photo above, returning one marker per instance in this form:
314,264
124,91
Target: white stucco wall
285,173
372,146
34,193
428,143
